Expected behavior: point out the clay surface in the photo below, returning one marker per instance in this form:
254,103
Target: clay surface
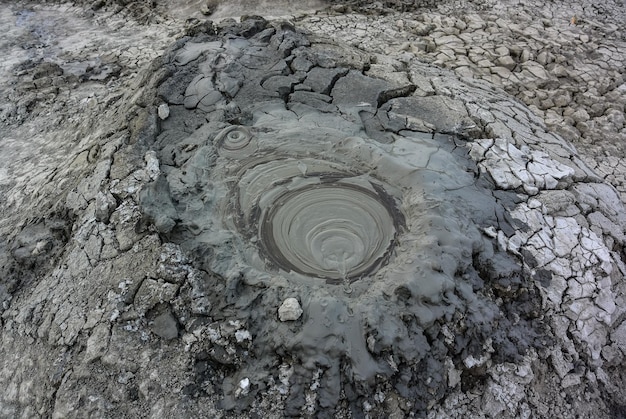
339,210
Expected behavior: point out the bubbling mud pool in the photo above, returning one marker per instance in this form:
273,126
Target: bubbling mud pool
310,216
275,184
312,203
315,219
332,231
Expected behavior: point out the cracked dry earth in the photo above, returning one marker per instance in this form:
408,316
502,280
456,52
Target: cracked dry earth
359,211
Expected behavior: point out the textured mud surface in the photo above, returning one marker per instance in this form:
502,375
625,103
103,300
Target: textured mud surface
256,218
334,188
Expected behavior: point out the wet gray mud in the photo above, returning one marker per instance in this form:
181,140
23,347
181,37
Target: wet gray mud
252,219
289,172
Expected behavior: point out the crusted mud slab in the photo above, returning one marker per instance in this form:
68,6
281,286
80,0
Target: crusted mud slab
287,217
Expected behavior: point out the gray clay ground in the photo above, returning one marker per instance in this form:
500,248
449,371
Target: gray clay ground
368,210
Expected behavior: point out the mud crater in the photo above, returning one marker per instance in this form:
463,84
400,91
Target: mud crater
375,225
316,219
333,231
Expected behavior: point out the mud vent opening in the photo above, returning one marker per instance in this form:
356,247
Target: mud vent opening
332,231
324,225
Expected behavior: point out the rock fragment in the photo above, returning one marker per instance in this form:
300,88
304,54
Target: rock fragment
163,111
105,205
165,326
290,310
98,342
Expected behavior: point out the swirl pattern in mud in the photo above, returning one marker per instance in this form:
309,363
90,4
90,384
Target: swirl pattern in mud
301,178
235,142
322,224
333,231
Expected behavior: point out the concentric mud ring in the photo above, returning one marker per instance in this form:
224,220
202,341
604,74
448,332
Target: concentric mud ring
235,142
332,230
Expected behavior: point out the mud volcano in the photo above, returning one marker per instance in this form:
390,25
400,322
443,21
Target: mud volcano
267,223
288,170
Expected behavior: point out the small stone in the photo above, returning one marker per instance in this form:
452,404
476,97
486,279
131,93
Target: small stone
562,99
619,337
163,111
580,115
98,342
448,40
454,375
471,361
507,62
502,51
612,355
568,132
241,335
105,205
616,118
460,25
165,326
525,56
152,164
207,9
559,363
558,70
583,127
244,387
570,380
152,292
536,69
474,21
544,58
503,72
339,8
289,310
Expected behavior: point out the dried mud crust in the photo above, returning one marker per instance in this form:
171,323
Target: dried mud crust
564,60
142,306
